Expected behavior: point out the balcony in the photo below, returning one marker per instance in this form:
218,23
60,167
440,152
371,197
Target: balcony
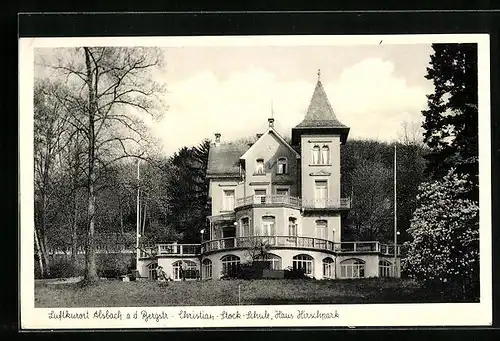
298,242
268,200
317,205
339,204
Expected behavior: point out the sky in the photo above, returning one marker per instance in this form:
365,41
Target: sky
232,90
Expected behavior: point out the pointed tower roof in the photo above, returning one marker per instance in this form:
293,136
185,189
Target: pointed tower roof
320,117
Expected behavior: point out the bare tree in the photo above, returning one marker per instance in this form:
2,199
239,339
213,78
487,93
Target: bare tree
411,133
111,97
49,130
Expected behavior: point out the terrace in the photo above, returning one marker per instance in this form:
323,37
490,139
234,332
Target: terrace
271,241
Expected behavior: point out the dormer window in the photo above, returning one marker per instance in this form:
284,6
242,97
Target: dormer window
315,155
325,155
282,166
260,166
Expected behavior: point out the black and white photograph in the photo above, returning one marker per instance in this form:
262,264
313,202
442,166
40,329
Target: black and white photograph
255,181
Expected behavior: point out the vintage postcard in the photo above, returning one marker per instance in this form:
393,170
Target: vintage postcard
255,181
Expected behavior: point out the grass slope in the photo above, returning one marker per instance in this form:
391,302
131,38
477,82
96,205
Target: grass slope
256,292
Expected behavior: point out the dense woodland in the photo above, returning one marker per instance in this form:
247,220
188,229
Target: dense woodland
91,139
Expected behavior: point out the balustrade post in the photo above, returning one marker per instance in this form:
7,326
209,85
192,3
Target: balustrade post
296,241
354,246
314,239
235,242
159,249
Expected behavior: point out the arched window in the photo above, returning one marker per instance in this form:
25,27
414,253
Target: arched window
282,166
315,155
325,155
245,227
292,226
322,229
274,261
206,269
268,226
152,274
352,268
328,267
230,265
184,269
304,263
384,268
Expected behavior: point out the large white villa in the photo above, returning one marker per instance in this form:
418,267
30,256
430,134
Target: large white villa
284,197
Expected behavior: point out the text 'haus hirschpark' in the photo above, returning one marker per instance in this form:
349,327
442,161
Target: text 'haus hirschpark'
279,201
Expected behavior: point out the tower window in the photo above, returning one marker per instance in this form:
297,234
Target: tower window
282,166
325,155
315,155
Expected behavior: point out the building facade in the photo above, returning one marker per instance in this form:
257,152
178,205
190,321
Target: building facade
282,197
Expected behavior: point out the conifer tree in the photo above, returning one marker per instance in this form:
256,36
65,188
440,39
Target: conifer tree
451,119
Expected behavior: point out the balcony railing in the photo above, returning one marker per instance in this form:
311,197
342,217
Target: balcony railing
339,203
298,242
342,203
268,199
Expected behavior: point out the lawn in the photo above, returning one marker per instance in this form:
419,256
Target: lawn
112,293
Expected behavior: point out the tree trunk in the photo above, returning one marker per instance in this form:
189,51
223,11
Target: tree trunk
121,217
43,239
90,257
39,253
74,236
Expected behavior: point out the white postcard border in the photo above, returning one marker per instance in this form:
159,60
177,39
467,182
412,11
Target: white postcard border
425,314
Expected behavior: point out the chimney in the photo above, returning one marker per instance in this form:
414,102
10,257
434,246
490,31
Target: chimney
271,122
217,139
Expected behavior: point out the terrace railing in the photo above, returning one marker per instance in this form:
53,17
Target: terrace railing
171,250
272,241
298,242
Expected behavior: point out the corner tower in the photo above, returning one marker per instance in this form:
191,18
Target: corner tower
318,137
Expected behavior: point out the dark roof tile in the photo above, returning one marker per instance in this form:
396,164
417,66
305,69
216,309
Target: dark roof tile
224,158
320,112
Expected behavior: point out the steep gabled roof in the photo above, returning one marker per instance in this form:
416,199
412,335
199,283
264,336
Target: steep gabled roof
320,112
280,138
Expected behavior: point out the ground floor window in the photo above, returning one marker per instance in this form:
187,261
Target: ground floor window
384,268
230,265
303,262
206,269
152,274
184,269
273,260
352,268
328,267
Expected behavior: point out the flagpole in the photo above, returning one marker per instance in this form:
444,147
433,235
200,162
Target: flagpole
138,222
395,214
